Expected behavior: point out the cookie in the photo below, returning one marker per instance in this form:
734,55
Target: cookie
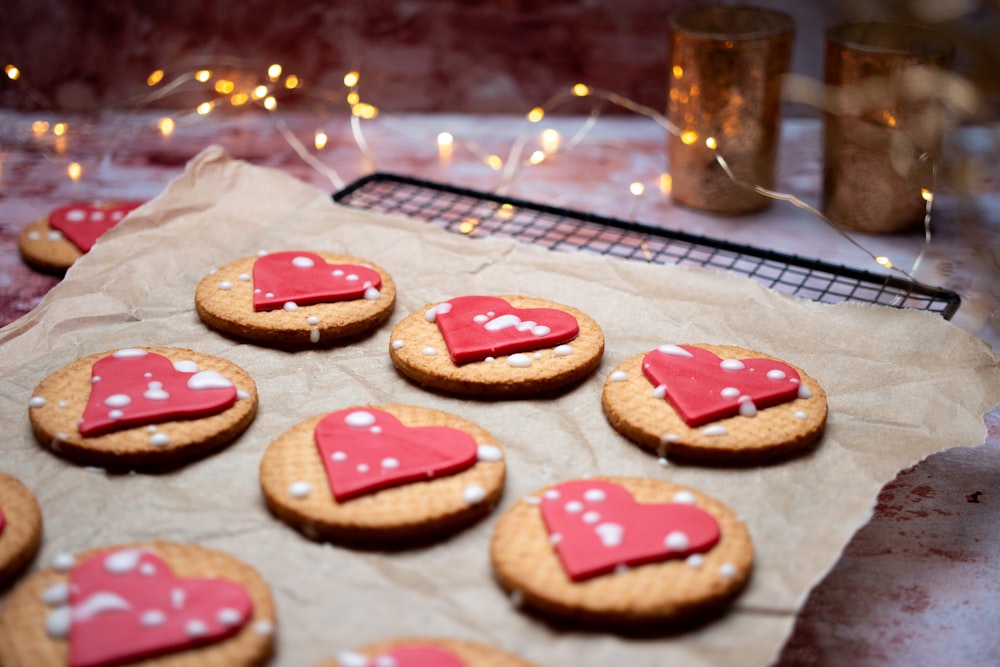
20,528
621,553
496,346
157,602
54,242
142,408
715,403
382,474
296,298
426,652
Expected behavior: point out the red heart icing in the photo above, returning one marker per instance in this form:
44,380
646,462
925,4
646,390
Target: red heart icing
410,656
703,387
364,450
304,278
84,223
477,327
128,605
133,387
597,526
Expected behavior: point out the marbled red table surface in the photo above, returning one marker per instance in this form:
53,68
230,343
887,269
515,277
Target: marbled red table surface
918,584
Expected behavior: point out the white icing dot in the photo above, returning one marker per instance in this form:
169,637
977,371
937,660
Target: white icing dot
727,570
489,360
244,277
360,419
155,392
159,440
54,235
290,306
62,404
695,560
57,623
714,430
34,236
240,394
186,366
747,407
540,330
562,351
229,616
263,627
152,617
776,375
375,429
574,507
352,278
555,538
488,453
147,569
55,595
669,437
314,335
594,495
537,355
663,462
519,360
129,353
37,402
312,320
551,494
195,628
122,561
730,392
677,541
591,517
389,463
338,456
660,391
225,285
338,273
732,365
618,376
95,379
801,414
115,414
177,597
441,308
299,489
208,380
63,562
473,493
804,391
362,467
684,498
269,295
610,534
352,659
428,351
76,215
372,294
302,262
397,344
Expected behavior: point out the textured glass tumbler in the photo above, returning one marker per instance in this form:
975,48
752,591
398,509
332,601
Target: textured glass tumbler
883,124
724,94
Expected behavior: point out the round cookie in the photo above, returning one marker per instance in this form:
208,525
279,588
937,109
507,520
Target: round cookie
20,528
382,474
437,651
198,607
621,553
296,298
54,242
149,408
496,345
735,420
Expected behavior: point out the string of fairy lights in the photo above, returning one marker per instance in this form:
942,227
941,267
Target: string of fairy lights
247,89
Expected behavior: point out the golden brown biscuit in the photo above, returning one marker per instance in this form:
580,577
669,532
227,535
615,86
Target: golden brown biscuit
232,614
20,528
312,298
54,242
437,651
120,422
538,362
382,474
621,552
638,409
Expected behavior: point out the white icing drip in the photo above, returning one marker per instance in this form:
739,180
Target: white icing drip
63,562
730,392
732,365
360,419
660,391
519,360
776,375
152,618
229,616
727,570
56,594
591,517
121,562
441,308
473,493
714,430
562,351
129,353
195,628
98,603
186,366
695,560
208,380
338,273
573,507
551,494
684,498
489,360
594,495
57,623
372,294
555,538
352,278
314,335
488,453
299,489
37,402
263,627
244,277
313,320
610,534
290,306
147,569
240,394
159,440
34,236
398,344
677,541
747,407
177,597
338,456
115,414
303,262
804,391
362,467
674,351
352,659
154,392
428,351
619,376
389,463
225,285
537,355
506,322
663,462
801,414
54,235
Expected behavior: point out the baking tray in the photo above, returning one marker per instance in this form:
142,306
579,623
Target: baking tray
477,214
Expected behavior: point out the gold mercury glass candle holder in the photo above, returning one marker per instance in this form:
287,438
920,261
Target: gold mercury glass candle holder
883,124
724,81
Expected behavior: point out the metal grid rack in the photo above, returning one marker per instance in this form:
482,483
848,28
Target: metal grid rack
474,213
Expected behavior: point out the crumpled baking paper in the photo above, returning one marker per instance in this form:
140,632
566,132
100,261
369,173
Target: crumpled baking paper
901,385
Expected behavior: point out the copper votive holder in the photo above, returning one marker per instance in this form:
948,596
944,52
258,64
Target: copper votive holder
883,124
724,100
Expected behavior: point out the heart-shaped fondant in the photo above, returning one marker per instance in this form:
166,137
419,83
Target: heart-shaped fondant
84,223
596,526
364,450
127,605
411,655
304,278
702,387
477,327
133,387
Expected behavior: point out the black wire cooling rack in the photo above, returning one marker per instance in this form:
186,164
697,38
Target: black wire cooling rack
474,213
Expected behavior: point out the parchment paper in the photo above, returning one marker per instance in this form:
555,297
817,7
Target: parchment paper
901,385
